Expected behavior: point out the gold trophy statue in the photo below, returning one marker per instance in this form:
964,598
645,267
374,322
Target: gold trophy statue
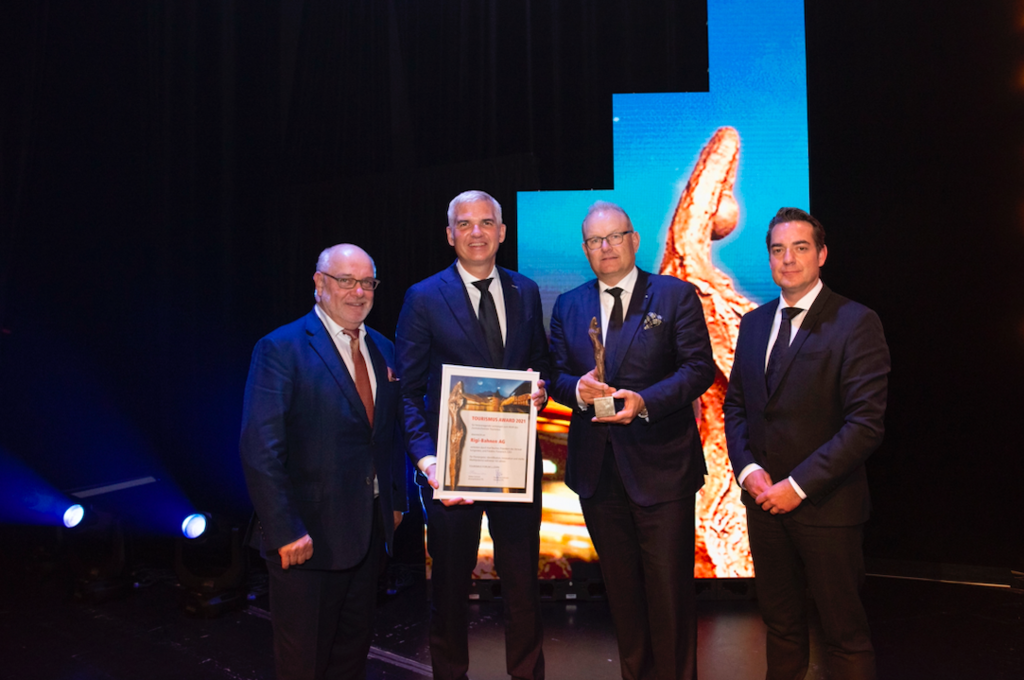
603,406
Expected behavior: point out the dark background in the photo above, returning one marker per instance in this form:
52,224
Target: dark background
169,172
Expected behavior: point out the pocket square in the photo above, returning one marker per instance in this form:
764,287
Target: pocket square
652,320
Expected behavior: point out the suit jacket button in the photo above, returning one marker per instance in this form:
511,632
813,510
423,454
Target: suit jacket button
368,481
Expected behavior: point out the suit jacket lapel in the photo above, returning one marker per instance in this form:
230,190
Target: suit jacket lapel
324,346
639,302
761,335
513,314
455,295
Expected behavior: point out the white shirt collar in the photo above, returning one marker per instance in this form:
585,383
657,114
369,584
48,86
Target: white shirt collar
333,329
806,301
468,278
627,284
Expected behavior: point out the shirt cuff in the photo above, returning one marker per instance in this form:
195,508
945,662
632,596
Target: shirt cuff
745,472
796,487
425,462
579,400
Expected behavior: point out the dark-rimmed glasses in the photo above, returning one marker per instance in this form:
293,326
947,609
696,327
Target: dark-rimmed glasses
614,239
350,283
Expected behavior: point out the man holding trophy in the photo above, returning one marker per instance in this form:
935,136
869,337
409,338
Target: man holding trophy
635,455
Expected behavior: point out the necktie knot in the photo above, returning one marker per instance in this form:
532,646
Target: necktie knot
353,335
614,292
791,312
483,285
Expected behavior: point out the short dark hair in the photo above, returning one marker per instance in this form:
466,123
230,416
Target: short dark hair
797,215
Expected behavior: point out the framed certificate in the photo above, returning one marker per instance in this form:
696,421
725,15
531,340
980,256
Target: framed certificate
486,434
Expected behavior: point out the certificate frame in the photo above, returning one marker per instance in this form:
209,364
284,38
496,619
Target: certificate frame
487,416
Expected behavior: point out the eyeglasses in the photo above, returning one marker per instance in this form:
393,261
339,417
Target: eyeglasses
614,239
350,283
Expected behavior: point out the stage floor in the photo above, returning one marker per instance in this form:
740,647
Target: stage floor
921,630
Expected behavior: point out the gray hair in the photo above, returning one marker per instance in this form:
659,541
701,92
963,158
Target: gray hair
604,206
472,197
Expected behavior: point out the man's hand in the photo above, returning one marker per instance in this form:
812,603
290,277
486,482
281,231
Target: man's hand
296,552
757,482
590,388
540,397
398,517
432,480
779,498
634,403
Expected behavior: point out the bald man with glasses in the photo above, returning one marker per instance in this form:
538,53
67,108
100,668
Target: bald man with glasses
323,457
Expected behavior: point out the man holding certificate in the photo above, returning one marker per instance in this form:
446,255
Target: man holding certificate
637,469
473,314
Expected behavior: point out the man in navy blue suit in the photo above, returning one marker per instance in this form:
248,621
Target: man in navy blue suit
322,453
804,410
473,313
636,472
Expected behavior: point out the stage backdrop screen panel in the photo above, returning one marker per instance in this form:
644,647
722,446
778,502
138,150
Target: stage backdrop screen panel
700,175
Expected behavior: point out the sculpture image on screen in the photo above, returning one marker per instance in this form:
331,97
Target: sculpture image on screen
707,211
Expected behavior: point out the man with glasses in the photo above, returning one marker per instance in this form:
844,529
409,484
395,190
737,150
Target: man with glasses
473,313
322,453
637,471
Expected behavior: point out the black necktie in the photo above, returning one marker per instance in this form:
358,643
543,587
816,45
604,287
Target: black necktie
614,322
780,347
488,316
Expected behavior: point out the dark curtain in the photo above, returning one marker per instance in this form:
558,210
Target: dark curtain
171,169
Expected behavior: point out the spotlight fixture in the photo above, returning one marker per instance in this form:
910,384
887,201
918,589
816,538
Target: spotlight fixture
96,546
194,525
212,565
73,515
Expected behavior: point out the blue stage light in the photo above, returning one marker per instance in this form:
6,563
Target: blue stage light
194,526
73,515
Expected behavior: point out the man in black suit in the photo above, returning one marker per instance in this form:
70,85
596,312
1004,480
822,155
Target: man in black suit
804,410
322,453
636,472
473,314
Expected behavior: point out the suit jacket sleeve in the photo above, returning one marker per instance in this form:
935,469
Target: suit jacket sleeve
862,391
413,341
540,356
263,444
737,433
563,379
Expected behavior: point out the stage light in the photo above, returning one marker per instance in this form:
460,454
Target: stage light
73,515
98,557
212,566
194,525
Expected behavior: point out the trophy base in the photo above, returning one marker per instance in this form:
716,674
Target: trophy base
604,407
